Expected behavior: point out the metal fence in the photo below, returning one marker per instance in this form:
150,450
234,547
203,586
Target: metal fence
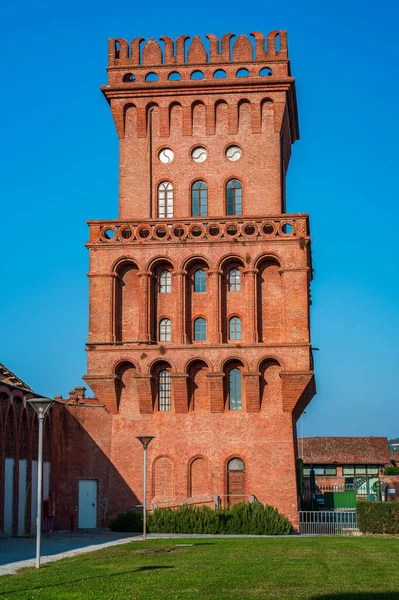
323,522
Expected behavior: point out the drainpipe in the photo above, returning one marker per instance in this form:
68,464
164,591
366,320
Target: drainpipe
150,111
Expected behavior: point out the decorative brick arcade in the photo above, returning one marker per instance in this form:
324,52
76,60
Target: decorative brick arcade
199,292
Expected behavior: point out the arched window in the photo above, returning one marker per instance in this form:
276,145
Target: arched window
164,395
234,197
235,390
165,282
200,281
235,280
200,329
236,464
199,199
235,328
165,330
165,200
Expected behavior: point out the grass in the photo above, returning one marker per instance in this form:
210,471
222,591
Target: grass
336,568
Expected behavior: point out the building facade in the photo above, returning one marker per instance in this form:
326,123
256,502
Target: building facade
199,291
342,464
18,456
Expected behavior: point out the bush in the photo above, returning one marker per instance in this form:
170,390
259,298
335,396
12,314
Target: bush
128,521
253,519
391,470
378,517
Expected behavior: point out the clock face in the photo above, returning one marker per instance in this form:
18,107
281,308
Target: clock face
166,155
233,153
199,154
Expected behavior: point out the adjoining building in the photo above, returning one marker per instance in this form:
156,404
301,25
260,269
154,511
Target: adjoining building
344,464
18,456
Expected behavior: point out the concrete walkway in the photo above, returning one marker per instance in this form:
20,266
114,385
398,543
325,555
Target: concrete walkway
16,553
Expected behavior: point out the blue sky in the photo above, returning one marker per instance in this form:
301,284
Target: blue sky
59,159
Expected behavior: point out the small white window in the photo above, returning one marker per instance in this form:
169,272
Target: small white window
165,200
164,391
235,328
235,280
165,330
165,282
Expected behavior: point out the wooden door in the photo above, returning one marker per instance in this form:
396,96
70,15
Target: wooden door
236,481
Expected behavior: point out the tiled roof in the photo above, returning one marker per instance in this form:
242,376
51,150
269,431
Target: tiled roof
344,450
8,378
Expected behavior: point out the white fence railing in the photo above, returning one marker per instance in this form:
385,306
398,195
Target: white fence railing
323,522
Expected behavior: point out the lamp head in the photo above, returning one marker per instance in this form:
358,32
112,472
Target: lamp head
145,440
41,405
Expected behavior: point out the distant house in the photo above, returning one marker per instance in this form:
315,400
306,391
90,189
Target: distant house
342,464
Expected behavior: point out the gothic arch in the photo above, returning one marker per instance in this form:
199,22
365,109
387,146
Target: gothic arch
126,303
270,390
130,119
199,476
244,116
198,118
125,383
162,478
198,386
267,256
269,299
175,111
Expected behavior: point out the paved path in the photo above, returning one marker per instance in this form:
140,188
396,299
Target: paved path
16,553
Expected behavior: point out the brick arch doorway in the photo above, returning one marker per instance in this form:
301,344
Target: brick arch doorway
235,481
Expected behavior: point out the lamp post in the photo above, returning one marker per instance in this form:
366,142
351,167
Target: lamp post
145,440
41,406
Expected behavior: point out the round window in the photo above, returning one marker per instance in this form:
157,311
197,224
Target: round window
199,154
166,155
233,153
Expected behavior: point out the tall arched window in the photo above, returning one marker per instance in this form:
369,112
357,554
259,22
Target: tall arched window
200,329
235,390
165,330
199,199
165,282
234,197
235,280
165,200
200,281
164,395
235,328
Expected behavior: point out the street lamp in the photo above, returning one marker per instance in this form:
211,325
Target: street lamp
145,440
41,406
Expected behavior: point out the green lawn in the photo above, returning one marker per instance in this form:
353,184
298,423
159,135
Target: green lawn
311,568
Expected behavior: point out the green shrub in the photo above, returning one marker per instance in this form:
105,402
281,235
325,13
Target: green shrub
128,521
253,519
378,517
391,470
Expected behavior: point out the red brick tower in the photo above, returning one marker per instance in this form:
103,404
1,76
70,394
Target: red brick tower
199,292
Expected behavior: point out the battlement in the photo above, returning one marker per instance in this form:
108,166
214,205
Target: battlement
224,61
176,53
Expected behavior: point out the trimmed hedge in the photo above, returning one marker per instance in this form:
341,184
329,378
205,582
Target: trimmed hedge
252,519
391,470
378,517
128,521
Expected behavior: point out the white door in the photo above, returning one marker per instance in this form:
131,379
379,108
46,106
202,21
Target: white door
87,504
8,494
23,464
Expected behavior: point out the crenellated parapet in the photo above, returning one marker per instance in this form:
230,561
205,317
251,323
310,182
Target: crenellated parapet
181,53
184,60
